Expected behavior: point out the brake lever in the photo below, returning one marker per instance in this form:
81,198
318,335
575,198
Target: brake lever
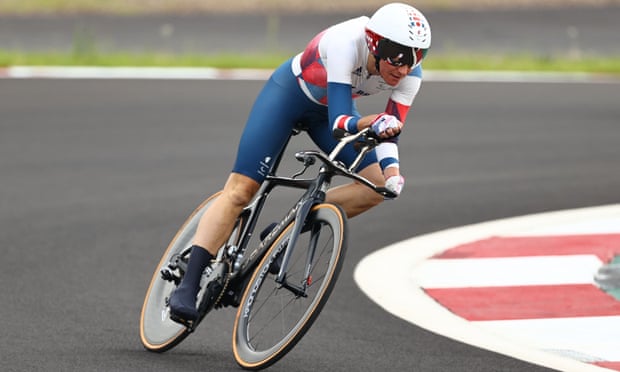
308,160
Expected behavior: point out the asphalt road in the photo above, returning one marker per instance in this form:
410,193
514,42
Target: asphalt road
96,176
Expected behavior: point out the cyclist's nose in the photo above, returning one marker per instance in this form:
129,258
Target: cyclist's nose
404,69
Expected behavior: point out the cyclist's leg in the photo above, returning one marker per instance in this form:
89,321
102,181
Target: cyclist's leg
218,221
266,132
268,128
354,198
182,301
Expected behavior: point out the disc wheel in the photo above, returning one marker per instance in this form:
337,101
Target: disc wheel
157,332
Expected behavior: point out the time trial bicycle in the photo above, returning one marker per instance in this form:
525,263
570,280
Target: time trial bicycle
280,285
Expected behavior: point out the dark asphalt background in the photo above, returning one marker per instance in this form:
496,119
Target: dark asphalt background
96,176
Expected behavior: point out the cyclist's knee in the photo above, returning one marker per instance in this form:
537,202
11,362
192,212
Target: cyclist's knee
374,199
240,189
373,174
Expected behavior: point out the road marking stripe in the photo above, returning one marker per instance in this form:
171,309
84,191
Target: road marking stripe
526,302
514,271
152,73
603,245
209,73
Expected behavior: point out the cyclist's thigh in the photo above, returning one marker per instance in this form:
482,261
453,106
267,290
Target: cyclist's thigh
274,114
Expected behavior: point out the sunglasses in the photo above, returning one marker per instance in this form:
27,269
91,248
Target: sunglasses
399,55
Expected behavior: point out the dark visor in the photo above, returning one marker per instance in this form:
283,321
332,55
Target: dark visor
398,54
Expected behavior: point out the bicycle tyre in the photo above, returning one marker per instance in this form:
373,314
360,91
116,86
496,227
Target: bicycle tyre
158,332
257,341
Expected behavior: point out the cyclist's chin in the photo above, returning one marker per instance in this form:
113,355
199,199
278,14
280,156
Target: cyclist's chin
391,79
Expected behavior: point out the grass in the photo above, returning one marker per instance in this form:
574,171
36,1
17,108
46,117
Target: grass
523,62
85,55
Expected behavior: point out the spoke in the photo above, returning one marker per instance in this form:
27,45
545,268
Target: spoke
258,310
270,321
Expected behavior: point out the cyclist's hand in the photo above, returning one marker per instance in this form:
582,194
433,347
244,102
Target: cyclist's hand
395,184
386,126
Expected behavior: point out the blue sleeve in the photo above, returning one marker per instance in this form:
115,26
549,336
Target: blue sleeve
341,110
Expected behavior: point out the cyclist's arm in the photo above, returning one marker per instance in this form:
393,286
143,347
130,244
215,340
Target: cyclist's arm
341,56
402,97
342,113
340,107
398,105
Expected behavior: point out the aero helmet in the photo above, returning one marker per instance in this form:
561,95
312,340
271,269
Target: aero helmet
399,34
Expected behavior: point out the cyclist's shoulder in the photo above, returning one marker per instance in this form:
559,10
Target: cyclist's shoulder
351,24
416,72
345,40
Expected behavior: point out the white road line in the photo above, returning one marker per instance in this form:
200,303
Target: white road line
597,341
513,271
209,73
151,73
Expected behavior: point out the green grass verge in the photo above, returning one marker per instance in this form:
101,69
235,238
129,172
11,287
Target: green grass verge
89,57
603,65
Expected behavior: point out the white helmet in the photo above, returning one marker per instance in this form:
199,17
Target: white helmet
398,28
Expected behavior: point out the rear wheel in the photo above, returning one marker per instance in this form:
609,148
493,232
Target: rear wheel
273,318
157,331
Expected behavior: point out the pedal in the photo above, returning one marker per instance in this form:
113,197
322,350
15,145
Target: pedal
189,324
169,276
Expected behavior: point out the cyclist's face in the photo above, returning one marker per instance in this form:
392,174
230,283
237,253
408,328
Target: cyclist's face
393,74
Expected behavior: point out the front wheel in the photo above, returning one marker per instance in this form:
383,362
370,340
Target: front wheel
273,317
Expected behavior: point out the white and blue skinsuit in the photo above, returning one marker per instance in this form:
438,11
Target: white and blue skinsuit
317,88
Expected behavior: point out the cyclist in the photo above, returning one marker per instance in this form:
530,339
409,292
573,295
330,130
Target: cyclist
318,87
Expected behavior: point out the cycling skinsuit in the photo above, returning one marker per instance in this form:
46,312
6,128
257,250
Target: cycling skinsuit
335,61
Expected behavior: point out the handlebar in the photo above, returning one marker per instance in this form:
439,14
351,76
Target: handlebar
366,140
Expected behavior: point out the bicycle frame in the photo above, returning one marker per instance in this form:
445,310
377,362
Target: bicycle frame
226,280
316,189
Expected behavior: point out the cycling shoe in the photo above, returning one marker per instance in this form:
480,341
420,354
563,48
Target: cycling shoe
182,304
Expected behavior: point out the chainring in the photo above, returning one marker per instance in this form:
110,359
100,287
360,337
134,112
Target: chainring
216,285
